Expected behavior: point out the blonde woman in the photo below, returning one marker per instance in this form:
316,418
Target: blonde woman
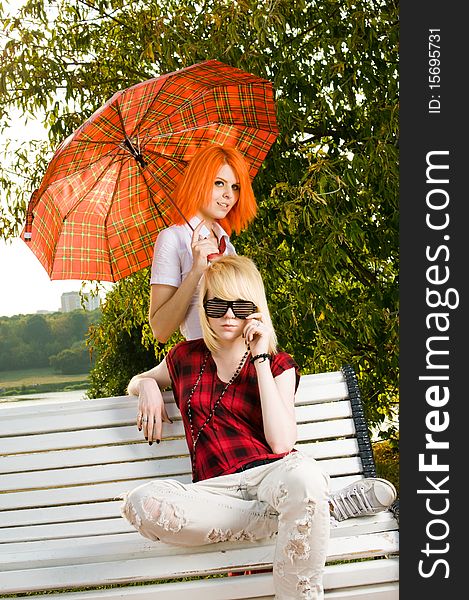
235,391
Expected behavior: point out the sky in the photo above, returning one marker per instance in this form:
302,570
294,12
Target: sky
26,287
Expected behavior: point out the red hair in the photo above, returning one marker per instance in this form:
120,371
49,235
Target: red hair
194,190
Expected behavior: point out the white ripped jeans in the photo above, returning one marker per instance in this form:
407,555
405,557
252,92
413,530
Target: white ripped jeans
288,497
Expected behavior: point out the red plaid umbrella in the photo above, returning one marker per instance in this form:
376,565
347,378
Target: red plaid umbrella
106,192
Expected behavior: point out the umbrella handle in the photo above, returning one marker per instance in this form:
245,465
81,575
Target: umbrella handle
221,250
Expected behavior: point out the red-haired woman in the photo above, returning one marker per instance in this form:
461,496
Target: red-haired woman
215,196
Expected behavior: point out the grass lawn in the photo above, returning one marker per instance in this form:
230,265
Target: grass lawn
39,380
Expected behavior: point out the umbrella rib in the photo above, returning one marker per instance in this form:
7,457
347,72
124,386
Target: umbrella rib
144,165
66,175
95,183
166,156
155,204
180,108
106,219
101,142
119,114
168,196
128,145
64,218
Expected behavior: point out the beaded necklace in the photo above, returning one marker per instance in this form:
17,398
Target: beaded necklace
195,438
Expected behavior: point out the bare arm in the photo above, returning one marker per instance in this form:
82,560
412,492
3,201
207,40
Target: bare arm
277,394
151,408
169,304
278,407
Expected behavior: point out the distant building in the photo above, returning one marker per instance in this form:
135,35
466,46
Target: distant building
92,302
72,301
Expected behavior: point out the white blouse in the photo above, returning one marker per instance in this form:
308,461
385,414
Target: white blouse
172,261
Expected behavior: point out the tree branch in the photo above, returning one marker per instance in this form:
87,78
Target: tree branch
364,275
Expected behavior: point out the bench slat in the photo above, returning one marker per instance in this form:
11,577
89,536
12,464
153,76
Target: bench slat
125,415
375,592
161,467
123,435
51,407
99,492
309,391
199,561
80,457
76,421
25,539
363,579
73,530
19,519
23,463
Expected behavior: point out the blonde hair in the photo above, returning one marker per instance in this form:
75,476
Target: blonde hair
195,188
233,277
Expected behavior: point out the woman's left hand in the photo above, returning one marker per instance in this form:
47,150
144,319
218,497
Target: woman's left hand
257,333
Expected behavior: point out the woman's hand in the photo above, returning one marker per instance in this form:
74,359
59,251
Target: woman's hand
151,410
202,248
257,334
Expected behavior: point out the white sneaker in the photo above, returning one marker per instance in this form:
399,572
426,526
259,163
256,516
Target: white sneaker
364,497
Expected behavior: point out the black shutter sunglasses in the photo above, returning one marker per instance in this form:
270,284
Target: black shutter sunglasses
216,308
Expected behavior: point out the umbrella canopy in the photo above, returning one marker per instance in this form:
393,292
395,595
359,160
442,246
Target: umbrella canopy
106,192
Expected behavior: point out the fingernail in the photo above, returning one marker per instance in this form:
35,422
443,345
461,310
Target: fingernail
171,421
150,443
146,438
158,441
140,429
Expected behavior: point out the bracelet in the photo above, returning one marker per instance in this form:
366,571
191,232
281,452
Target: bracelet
264,356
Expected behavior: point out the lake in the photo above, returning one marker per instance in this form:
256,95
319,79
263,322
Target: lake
45,397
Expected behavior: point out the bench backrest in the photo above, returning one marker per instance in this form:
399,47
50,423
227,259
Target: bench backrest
64,464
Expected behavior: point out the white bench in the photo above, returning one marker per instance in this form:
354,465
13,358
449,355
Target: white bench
64,464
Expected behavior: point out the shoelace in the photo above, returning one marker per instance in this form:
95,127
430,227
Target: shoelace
345,505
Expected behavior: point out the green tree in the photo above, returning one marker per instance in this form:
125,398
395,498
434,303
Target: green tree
122,340
71,326
75,359
36,333
326,237
29,341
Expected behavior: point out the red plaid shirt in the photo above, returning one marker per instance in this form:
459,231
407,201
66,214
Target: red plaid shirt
235,434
